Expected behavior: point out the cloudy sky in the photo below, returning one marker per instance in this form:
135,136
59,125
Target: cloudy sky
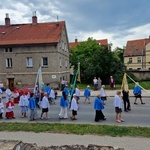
115,20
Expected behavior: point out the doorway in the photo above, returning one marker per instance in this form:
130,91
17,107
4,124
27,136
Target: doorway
11,83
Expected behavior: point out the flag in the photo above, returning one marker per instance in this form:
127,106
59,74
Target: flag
124,85
39,80
79,78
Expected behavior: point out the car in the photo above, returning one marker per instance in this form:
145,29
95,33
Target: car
29,89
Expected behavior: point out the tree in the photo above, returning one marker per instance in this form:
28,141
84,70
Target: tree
95,60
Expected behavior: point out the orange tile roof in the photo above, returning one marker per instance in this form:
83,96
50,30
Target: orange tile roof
136,47
31,33
74,44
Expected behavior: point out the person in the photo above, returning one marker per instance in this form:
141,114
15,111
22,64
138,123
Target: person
23,103
63,106
103,94
16,95
52,96
62,84
137,93
66,91
1,108
112,82
95,83
1,92
32,107
8,94
118,107
48,89
99,82
45,105
77,92
87,94
126,100
74,107
98,106
37,96
10,108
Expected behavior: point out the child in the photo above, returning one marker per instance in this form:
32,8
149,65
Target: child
118,107
32,107
1,109
10,108
23,103
74,107
87,94
103,94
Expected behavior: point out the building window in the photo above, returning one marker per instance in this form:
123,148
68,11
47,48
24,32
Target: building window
29,62
60,62
66,63
8,49
130,60
62,45
44,61
138,59
9,62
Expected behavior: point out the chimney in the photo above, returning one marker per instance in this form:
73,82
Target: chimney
34,18
7,20
76,40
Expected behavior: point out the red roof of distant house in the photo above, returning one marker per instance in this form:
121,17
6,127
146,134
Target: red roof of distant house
38,33
101,42
136,47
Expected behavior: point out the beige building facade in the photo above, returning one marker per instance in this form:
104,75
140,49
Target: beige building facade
21,53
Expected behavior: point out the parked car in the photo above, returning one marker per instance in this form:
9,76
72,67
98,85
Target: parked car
28,89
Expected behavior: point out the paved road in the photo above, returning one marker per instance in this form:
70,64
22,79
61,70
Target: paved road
138,116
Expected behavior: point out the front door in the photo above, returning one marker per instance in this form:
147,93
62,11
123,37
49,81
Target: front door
11,84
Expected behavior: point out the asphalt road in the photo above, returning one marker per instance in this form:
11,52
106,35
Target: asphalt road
138,116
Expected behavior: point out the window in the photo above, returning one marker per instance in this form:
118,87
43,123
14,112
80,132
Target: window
44,61
29,62
130,60
62,45
60,62
8,49
66,63
138,59
9,62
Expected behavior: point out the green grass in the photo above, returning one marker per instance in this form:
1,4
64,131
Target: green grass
80,129
144,84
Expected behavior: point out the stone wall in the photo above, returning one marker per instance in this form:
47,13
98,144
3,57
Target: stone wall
19,145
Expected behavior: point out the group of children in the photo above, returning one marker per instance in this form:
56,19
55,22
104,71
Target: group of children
26,103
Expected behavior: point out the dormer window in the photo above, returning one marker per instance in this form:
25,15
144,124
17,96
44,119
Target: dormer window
8,49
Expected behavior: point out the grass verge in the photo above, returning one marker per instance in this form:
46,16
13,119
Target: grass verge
80,129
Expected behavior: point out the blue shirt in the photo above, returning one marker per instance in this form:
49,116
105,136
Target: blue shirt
137,90
87,92
32,104
98,104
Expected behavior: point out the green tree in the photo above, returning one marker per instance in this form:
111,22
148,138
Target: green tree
95,60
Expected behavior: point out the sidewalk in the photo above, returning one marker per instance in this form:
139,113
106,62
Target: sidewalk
55,139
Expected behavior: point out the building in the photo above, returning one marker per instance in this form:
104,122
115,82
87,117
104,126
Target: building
137,57
23,47
102,42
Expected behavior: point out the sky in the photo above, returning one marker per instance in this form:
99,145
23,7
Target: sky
116,20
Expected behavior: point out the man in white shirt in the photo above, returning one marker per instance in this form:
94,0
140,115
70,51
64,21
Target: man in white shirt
95,83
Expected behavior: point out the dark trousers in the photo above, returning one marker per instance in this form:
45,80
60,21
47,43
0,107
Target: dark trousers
126,104
99,115
1,114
